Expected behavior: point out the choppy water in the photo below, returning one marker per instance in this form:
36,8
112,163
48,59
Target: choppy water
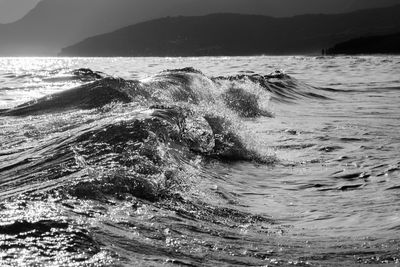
144,161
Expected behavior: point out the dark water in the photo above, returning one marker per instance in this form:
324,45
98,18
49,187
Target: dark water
148,162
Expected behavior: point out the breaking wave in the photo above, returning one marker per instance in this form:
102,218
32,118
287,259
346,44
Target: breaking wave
136,141
247,95
136,135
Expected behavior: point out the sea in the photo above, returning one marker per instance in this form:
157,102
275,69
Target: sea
206,161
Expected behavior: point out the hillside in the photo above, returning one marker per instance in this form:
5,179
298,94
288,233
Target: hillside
54,24
233,34
381,44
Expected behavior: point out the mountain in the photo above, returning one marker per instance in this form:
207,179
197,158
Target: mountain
233,34
381,44
54,24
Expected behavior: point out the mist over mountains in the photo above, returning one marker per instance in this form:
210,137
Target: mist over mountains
54,24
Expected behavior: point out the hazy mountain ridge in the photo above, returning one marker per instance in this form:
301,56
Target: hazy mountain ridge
54,24
234,34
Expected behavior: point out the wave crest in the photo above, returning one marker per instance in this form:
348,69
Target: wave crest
247,95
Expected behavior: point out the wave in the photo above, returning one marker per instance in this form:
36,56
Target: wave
283,88
81,161
244,94
134,155
58,75
134,129
88,96
179,113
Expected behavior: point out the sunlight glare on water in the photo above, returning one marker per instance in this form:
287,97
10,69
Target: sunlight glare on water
327,195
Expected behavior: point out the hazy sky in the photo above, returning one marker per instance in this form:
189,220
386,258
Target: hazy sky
11,10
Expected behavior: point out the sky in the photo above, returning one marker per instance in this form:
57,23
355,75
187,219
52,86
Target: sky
12,10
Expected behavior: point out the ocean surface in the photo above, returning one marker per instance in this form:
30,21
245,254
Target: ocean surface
222,161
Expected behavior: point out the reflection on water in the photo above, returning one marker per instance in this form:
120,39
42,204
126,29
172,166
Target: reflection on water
126,183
